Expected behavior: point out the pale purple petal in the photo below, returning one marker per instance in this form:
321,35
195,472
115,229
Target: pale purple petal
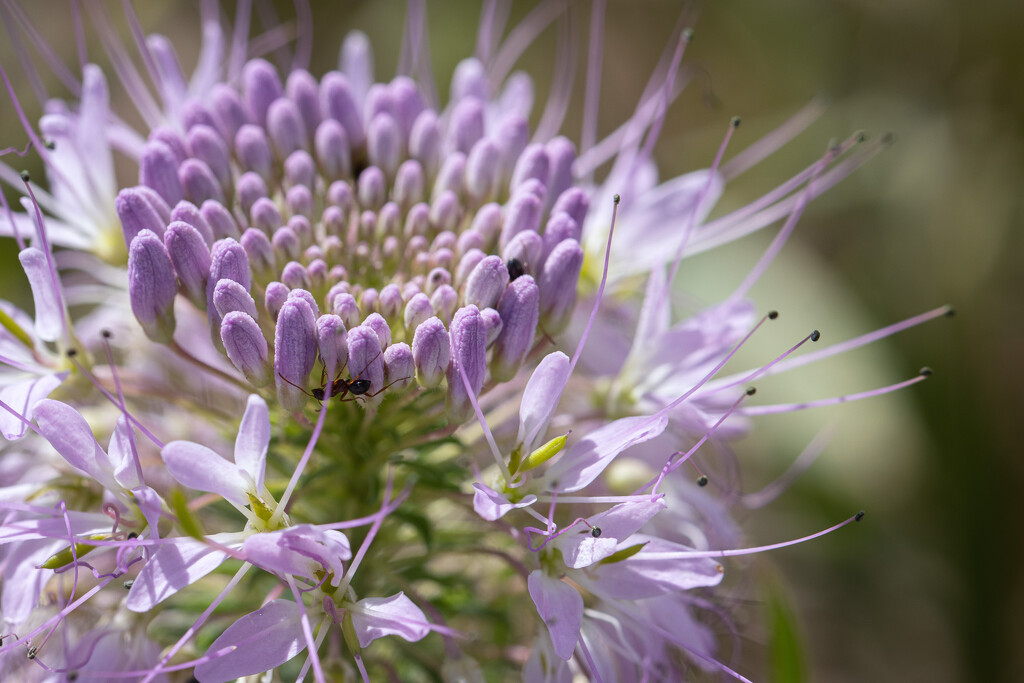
23,580
49,312
395,616
174,566
253,439
617,524
491,505
197,467
271,552
120,454
23,397
70,435
541,396
585,460
650,572
560,607
260,641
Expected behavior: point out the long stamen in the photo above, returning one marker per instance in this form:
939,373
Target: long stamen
239,40
498,458
760,372
26,62
561,83
600,288
806,458
306,455
773,141
522,36
592,93
924,374
304,37
307,631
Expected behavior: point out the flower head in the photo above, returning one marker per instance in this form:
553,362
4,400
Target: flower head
457,387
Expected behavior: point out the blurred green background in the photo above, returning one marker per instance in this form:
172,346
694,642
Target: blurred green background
930,585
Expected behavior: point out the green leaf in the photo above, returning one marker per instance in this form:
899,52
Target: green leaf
785,651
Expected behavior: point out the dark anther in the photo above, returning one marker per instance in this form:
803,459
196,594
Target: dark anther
735,122
72,675
950,311
772,315
596,532
128,584
751,391
50,145
616,199
516,269
702,480
32,652
72,353
25,176
926,371
688,34
859,516
889,138
107,334
861,135
132,535
815,336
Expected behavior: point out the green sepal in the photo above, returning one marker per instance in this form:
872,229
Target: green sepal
260,508
624,554
544,453
63,558
348,631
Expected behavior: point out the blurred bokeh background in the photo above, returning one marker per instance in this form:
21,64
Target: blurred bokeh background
931,585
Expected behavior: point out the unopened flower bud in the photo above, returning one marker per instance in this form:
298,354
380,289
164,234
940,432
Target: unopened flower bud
222,223
302,88
228,108
526,247
557,283
467,124
521,213
372,188
277,294
332,150
399,367
574,202
486,282
246,347
285,127
299,201
345,307
307,296
208,146
229,296
450,177
492,323
390,301
338,102
156,201
294,352
520,312
260,252
445,211
286,244
469,355
136,214
532,163
470,80
260,87
366,358
191,259
469,261
332,341
194,114
561,156
444,300
187,212
198,182
152,286
252,150
483,170
377,323
425,142
249,188
300,169
409,184
512,135
158,169
384,143
431,351
265,215
561,226
416,311
173,140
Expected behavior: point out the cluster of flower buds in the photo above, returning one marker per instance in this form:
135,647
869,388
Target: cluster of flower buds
397,242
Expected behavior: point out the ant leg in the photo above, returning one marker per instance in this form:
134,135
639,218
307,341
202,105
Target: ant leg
382,390
306,392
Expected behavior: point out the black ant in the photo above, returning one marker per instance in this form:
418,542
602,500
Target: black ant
516,269
340,387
